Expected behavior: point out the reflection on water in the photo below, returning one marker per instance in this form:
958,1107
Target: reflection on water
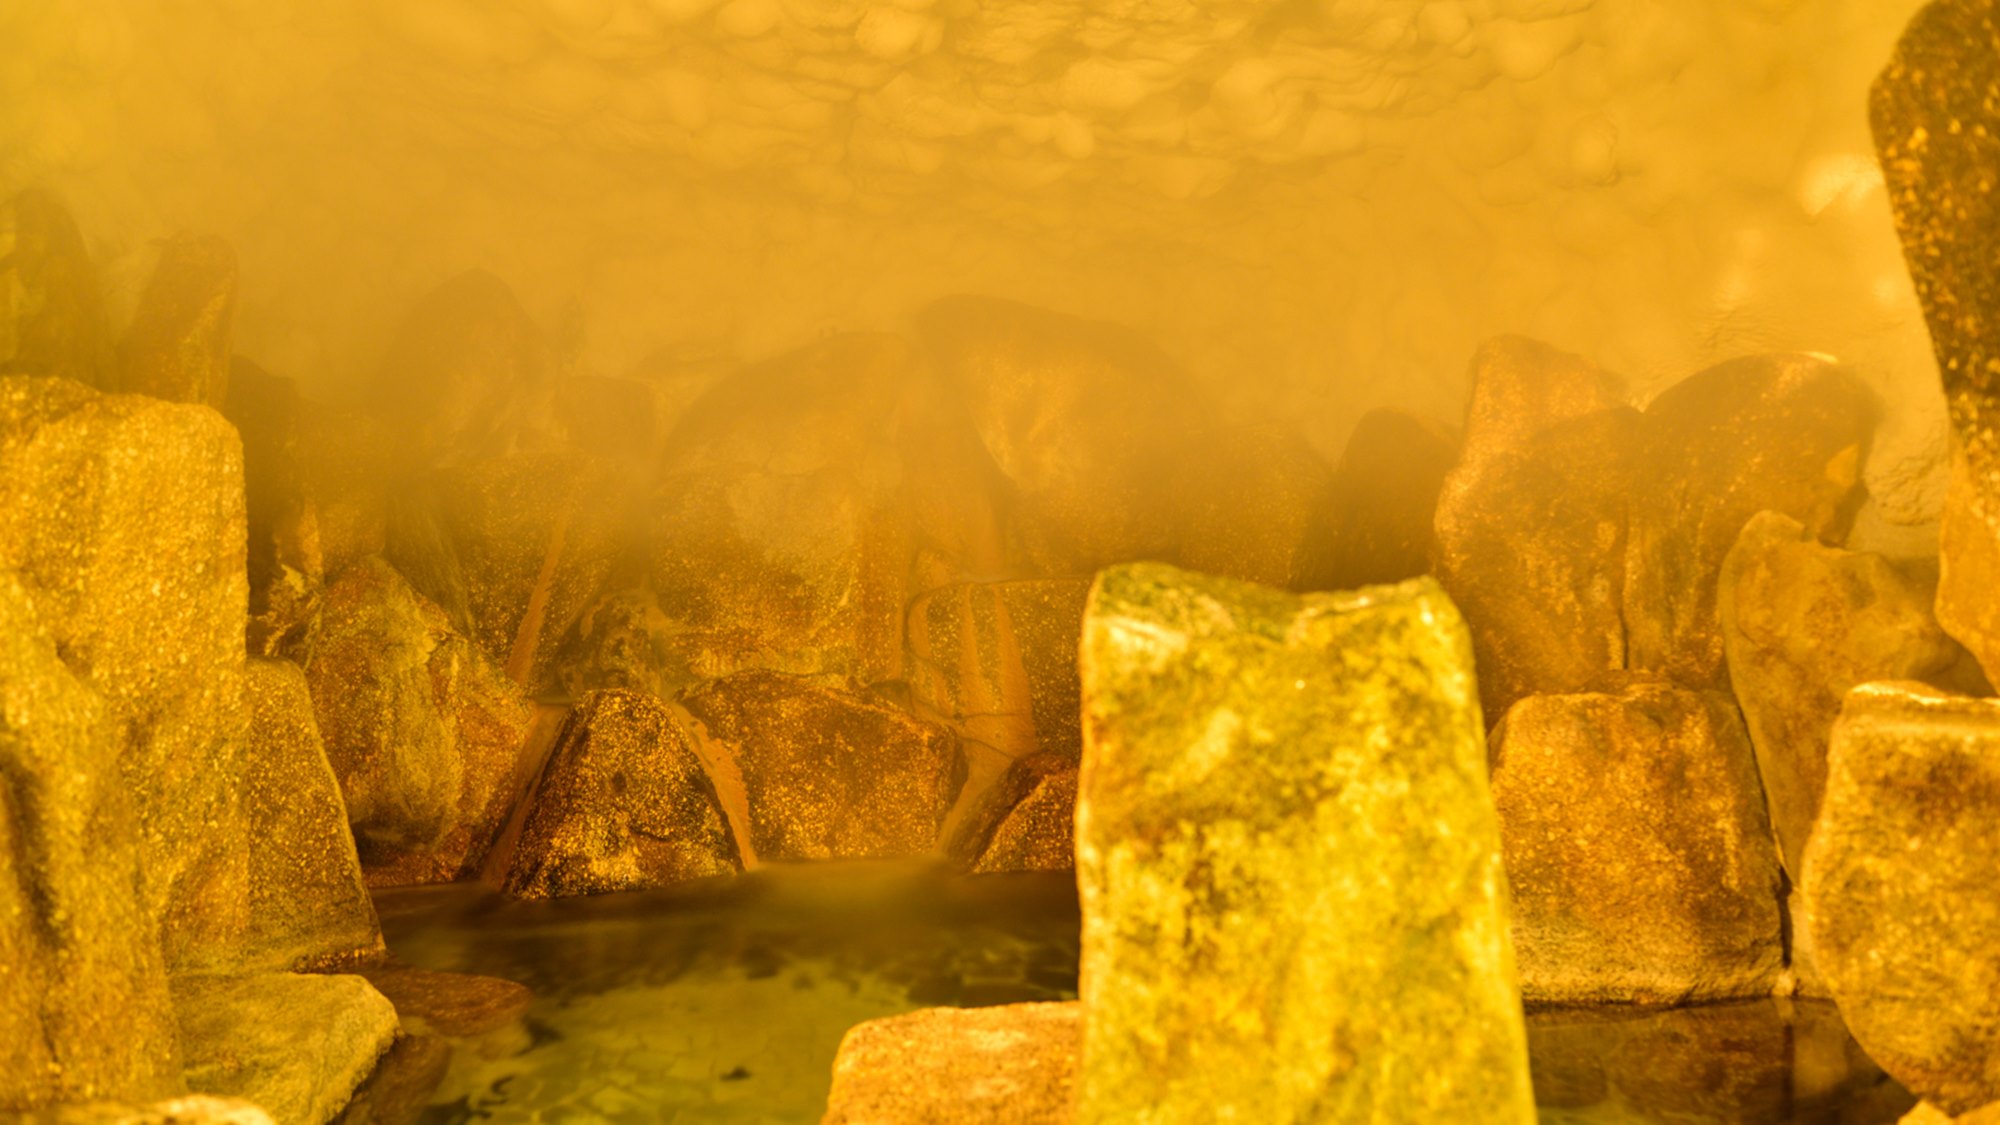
726,1004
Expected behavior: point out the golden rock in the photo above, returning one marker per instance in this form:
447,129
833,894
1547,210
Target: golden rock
1928,1114
1294,905
179,344
1521,387
1014,1064
297,1045
619,642
1025,821
1638,848
84,1010
466,375
346,458
624,804
308,904
829,774
52,319
1969,559
1787,433
287,572
1385,497
1257,505
1902,887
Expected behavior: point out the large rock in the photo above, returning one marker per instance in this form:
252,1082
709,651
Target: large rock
295,1045
308,904
467,374
1384,502
1902,886
287,570
950,1066
1256,504
1638,849
52,318
423,731
179,344
781,538
84,1011
1787,433
123,517
829,774
1294,906
624,804
1023,822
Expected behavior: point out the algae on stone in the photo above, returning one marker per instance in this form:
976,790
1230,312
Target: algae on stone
1294,905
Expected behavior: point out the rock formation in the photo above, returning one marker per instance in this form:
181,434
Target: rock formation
1014,1063
1023,822
180,343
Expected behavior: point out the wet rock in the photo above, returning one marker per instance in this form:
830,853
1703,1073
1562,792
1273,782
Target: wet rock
1902,887
829,774
52,319
345,460
1637,845
624,804
308,904
287,572
1532,545
403,1083
84,1011
454,1005
423,731
1023,822
1384,501
780,539
1802,623
1084,422
1012,1063
466,374
296,1045
179,344
1288,859
1257,505
1786,433
996,662
140,584
620,642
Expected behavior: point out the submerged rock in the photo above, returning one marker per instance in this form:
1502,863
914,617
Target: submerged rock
1012,1063
1902,886
308,904
1294,906
1384,502
454,1005
1638,849
84,1010
1023,822
297,1045
52,319
996,661
1786,433
287,571
624,804
180,342
829,774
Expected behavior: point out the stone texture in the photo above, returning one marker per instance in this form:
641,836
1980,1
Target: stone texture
296,1045
1969,559
141,587
199,1109
84,1011
287,570
308,904
1638,848
1384,501
1257,504
1521,387
1011,1064
829,774
780,537
1294,906
1787,433
623,804
52,319
1802,623
179,344
1902,886
466,373
996,662
1023,822
423,731
619,642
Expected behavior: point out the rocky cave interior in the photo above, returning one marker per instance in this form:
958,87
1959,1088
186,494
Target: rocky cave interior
907,561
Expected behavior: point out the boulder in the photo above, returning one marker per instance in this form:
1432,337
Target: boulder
308,904
829,774
84,1009
1256,504
425,734
52,319
781,537
467,374
296,1045
1902,887
1521,387
123,518
1638,849
1384,502
1290,870
180,341
1787,433
1013,1063
1023,822
287,570
623,804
